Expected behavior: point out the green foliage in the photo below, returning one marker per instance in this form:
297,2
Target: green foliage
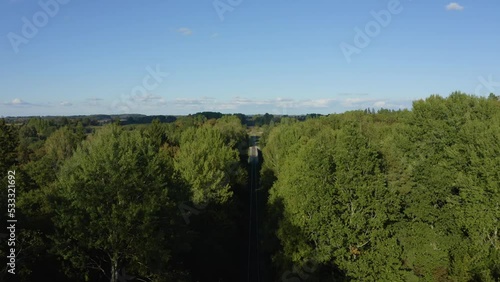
334,192
393,195
112,207
408,195
455,186
205,161
55,150
156,133
8,143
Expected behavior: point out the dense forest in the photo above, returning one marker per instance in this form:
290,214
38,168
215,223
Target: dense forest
368,195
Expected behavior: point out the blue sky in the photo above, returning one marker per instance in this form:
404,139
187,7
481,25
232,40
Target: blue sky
65,57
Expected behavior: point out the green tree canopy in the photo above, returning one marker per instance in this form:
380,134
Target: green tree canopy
113,208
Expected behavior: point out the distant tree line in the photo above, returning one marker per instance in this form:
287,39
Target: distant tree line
135,119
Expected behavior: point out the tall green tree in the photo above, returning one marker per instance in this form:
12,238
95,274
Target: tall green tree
450,148
205,161
113,208
337,207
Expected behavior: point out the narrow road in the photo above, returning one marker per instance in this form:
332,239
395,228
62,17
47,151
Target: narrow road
253,223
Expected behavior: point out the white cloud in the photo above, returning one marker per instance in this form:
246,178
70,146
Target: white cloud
66,104
239,103
453,6
17,102
185,31
357,102
137,103
194,101
394,104
316,103
20,103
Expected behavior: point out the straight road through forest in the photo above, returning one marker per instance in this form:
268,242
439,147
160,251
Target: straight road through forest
253,224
